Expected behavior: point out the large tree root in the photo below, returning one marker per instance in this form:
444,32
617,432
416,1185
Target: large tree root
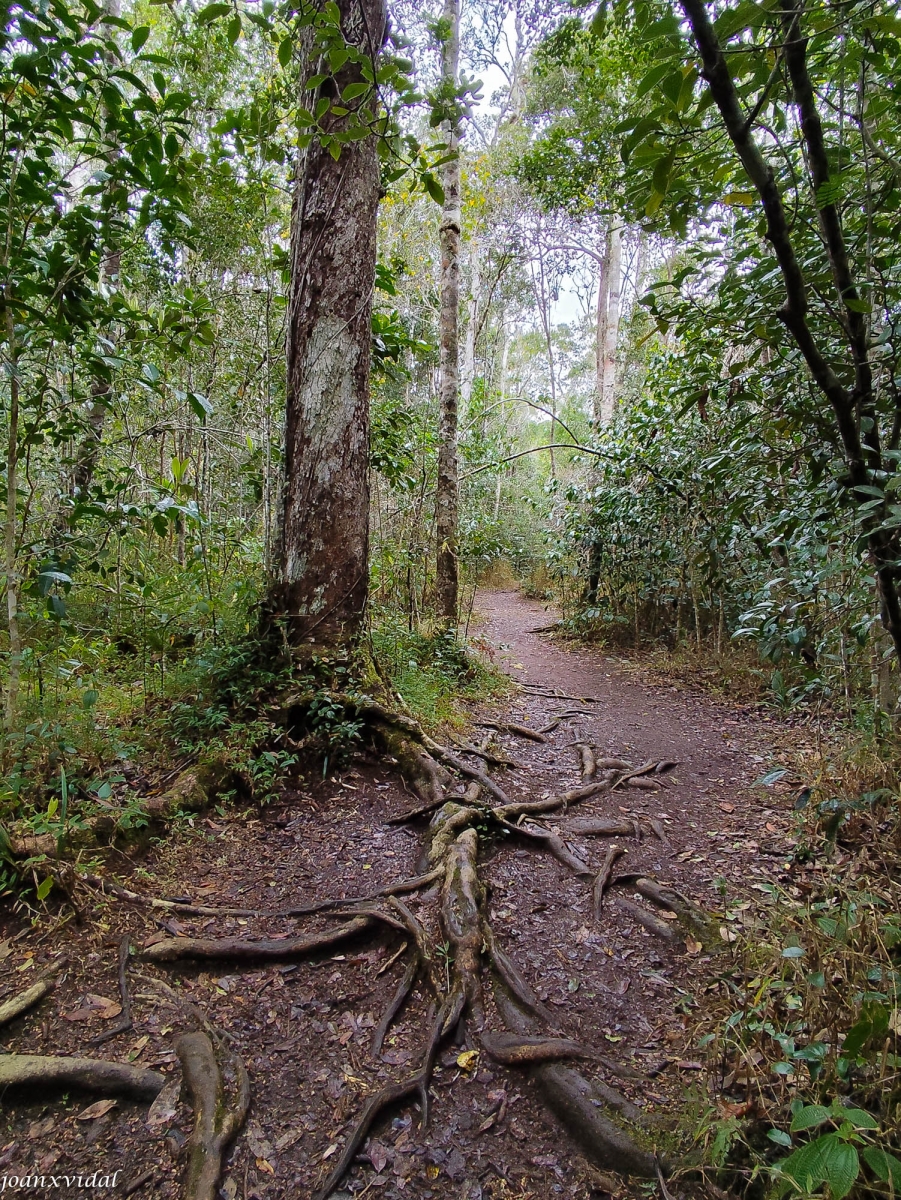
92,1074
215,1123
241,950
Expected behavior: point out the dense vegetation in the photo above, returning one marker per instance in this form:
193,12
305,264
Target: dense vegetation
677,337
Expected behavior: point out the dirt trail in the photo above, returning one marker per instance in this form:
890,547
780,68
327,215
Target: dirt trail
304,1029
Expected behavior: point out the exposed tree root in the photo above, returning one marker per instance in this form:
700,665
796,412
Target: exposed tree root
510,812
662,929
92,1074
602,879
125,1022
110,888
587,760
390,1094
562,716
695,920
461,902
395,1004
215,1124
241,950
513,1050
493,760
515,985
605,827
579,1104
554,694
43,986
400,888
553,843
522,731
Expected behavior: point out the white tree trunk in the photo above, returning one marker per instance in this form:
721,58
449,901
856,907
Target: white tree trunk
614,259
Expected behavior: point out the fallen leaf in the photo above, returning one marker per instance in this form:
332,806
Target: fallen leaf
378,1156
519,667
728,935
693,947
5,950
331,1150
432,1171
468,1060
98,1109
138,1048
165,1106
683,1065
288,1139
729,808
265,1166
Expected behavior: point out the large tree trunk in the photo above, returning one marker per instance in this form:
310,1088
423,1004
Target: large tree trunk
447,496
321,571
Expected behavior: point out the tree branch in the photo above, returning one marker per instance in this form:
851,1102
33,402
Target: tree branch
830,220
794,312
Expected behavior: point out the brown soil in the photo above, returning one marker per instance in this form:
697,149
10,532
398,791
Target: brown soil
304,1029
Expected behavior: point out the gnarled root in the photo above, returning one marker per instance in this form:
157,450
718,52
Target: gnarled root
92,1074
241,950
215,1124
461,917
578,1105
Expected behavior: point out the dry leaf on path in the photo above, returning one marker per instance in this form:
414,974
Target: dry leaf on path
98,1109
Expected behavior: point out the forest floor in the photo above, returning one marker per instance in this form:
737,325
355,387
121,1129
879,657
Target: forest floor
304,1029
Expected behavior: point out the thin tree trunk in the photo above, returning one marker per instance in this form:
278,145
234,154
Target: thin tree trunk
9,532
614,258
320,583
600,349
469,346
447,495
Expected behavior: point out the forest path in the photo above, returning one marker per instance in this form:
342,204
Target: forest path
304,1028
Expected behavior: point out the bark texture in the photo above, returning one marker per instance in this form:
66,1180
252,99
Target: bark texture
321,572
609,304
446,499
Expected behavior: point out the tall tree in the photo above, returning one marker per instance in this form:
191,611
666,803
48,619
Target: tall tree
447,496
608,329
320,581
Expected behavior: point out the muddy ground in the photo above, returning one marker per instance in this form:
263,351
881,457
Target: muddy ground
304,1029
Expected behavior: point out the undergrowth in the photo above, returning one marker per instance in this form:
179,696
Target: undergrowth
801,1031
95,753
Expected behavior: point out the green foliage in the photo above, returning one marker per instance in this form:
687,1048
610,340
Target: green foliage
431,673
